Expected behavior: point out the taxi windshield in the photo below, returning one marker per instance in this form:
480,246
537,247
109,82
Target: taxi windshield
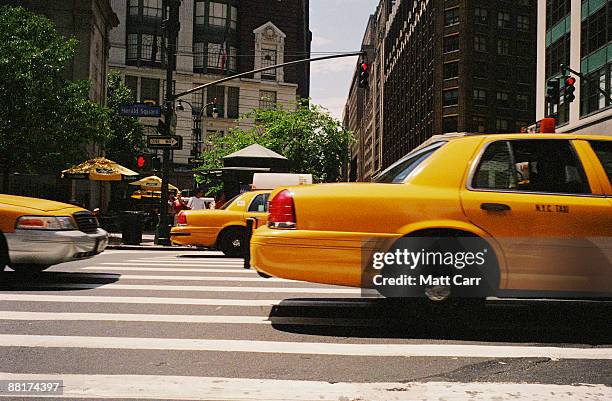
397,173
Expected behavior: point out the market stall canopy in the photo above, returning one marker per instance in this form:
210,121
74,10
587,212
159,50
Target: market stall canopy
257,156
152,183
100,169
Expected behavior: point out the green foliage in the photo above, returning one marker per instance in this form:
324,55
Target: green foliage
312,140
45,120
126,137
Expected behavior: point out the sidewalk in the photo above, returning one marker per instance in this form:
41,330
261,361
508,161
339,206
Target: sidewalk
148,244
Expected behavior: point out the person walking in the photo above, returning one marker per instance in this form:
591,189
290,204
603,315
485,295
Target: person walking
197,202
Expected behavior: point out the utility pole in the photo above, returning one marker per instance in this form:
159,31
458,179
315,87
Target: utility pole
171,27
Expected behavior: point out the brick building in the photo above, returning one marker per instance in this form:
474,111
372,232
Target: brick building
457,65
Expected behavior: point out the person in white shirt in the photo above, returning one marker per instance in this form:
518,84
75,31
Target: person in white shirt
197,202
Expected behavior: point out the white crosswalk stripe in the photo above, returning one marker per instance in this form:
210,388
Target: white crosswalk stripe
179,278
219,388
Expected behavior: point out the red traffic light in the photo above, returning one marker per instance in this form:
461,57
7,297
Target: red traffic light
364,67
141,161
570,81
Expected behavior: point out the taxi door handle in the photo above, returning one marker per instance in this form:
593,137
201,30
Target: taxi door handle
494,207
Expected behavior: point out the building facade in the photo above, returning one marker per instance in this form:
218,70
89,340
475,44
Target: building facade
90,22
217,38
457,66
363,114
577,33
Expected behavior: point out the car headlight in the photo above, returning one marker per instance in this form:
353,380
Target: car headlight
46,223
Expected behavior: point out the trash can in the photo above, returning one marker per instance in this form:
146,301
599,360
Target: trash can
132,224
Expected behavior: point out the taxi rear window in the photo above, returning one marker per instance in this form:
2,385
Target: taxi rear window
603,150
397,173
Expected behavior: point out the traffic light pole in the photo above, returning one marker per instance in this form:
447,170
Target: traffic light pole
172,27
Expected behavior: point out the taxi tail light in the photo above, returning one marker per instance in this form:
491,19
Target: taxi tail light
282,211
181,219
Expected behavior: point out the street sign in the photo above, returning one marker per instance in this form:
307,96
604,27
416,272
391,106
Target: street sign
140,110
174,142
194,160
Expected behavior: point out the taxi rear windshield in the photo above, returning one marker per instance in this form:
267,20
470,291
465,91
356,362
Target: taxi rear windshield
397,173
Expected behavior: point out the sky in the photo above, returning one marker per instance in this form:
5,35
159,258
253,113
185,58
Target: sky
337,26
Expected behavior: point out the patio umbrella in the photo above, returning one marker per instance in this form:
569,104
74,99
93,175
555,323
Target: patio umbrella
152,183
99,169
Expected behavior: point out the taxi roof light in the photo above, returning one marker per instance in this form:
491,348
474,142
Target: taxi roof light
282,211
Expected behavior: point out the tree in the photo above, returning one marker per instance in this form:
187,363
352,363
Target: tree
313,141
46,121
126,137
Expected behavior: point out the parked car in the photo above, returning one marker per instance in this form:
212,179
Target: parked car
542,202
223,228
37,233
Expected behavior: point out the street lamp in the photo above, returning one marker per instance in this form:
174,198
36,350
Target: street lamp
196,133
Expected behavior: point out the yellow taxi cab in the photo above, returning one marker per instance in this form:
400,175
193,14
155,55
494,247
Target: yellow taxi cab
541,202
37,233
223,228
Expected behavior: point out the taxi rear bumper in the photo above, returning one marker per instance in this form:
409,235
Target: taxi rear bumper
52,247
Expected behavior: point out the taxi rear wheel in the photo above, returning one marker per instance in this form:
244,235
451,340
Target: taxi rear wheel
232,243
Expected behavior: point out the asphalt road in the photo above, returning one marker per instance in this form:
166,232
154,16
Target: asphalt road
197,326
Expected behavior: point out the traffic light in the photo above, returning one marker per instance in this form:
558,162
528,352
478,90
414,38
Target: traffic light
148,162
569,89
364,75
552,94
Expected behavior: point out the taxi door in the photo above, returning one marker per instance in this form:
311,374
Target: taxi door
258,209
548,212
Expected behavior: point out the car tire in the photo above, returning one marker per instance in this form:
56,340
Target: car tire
4,260
231,243
29,268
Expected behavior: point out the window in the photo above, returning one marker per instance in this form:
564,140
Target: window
596,31
556,10
198,56
531,166
259,203
399,171
233,17
268,58
480,43
503,20
479,124
151,48
480,15
503,47
480,97
451,97
481,70
216,94
267,99
133,7
451,43
522,102
450,124
522,23
217,14
214,58
603,150
200,13
502,99
501,125
591,99
451,17
149,90
132,46
132,83
152,8
556,54
233,101
451,70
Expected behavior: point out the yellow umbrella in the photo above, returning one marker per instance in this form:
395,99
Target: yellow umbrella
99,169
152,183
